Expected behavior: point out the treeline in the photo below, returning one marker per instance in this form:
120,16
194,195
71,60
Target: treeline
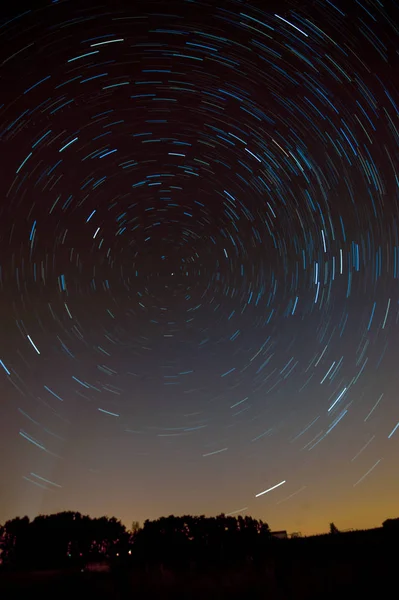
59,540
181,542
71,539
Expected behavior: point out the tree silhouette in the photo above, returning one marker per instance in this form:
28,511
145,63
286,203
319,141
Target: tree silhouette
14,545
176,541
333,529
51,541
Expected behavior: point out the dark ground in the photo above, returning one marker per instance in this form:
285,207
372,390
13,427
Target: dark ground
321,570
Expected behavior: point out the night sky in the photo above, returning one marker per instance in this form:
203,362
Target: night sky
199,266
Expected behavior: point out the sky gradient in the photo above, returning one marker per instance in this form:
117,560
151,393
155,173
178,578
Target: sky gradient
199,260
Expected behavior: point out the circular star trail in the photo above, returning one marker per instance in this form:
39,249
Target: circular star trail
200,257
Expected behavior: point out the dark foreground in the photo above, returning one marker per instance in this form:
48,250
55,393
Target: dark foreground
357,569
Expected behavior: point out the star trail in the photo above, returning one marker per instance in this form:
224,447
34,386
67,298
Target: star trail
199,263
